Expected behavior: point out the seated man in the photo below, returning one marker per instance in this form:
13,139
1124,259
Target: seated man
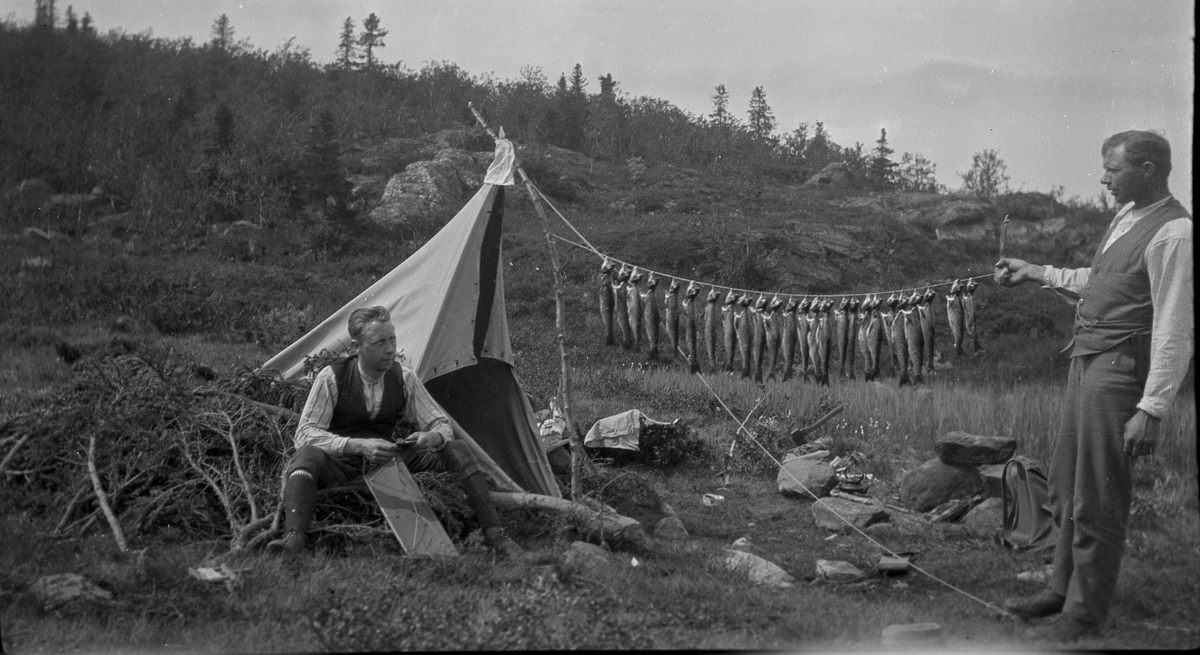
346,426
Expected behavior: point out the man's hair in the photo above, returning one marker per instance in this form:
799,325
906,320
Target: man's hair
1142,147
363,316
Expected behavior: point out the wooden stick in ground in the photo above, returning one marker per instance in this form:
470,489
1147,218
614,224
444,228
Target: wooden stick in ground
102,497
577,453
13,451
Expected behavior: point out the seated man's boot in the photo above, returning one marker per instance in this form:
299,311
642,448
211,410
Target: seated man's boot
291,544
501,545
1035,607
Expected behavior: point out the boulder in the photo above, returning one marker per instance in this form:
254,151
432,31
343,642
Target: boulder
759,570
936,482
798,474
835,174
986,517
827,510
424,186
469,170
671,529
973,450
993,479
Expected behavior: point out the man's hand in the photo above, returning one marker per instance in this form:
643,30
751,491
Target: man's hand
375,451
1141,434
430,440
1011,272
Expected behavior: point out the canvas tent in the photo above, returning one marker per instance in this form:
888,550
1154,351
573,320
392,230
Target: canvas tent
447,303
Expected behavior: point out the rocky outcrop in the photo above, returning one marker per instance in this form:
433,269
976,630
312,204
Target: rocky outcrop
836,174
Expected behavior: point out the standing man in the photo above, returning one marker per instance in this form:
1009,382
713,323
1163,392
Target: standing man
1133,338
346,427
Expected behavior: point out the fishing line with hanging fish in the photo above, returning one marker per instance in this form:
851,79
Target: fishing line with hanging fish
750,435
858,294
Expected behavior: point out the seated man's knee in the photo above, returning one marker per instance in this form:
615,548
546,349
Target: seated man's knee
459,458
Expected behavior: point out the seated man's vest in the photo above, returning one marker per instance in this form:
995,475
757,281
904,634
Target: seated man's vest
350,417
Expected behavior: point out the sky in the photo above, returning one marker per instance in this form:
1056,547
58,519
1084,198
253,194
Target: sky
1042,82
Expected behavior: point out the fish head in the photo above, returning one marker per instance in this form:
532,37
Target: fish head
673,287
713,295
652,282
892,300
804,305
760,303
843,304
607,265
776,303
731,298
929,294
853,306
692,289
972,285
744,300
791,306
635,276
956,287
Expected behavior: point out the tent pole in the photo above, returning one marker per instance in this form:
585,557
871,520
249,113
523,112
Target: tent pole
577,454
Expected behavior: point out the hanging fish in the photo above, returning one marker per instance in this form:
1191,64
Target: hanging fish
621,306
954,314
650,314
633,299
928,321
968,304
690,325
759,338
822,338
671,316
730,340
787,335
712,321
870,333
771,326
899,343
742,322
604,287
913,338
804,325
841,335
851,335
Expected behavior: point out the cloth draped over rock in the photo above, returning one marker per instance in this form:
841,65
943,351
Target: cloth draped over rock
621,431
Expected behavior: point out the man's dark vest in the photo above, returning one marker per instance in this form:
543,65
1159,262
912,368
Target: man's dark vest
1115,304
350,417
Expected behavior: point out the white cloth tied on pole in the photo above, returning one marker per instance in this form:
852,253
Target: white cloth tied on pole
619,430
500,172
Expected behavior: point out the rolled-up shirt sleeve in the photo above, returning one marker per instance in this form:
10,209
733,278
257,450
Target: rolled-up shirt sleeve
1172,339
1066,282
421,410
318,410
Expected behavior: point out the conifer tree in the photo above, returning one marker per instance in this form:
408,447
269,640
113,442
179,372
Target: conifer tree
72,21
720,114
85,25
882,171
347,50
222,34
370,39
223,122
762,121
608,88
322,170
44,14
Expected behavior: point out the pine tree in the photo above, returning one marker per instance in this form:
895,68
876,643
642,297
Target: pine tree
882,171
44,14
608,88
322,171
795,143
347,50
370,39
720,114
762,121
222,34
578,83
72,21
85,25
223,122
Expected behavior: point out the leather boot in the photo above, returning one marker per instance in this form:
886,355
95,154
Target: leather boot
1044,604
291,544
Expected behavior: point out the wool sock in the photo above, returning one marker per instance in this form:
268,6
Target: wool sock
299,500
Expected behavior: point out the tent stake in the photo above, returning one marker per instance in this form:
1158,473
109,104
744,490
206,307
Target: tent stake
577,453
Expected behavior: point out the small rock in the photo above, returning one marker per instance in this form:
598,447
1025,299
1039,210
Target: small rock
759,570
936,482
581,557
993,479
986,516
827,510
796,475
973,450
671,529
836,571
916,634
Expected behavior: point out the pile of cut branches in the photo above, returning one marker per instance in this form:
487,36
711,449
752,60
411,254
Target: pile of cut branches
131,444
